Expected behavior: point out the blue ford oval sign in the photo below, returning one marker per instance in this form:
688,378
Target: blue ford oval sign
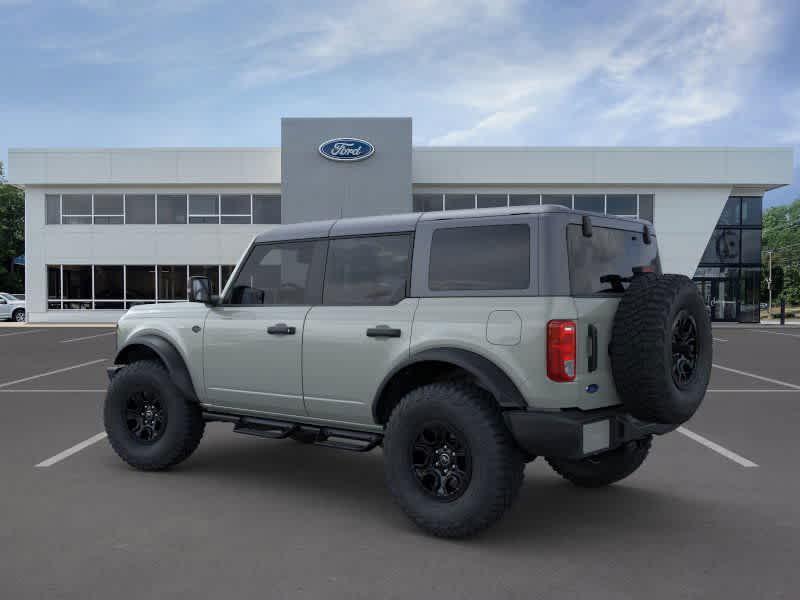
351,149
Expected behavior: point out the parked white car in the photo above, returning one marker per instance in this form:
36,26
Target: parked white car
12,308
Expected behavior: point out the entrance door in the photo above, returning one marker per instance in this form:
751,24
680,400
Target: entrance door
720,297
253,340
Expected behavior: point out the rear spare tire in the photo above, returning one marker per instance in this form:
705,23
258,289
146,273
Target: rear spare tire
661,348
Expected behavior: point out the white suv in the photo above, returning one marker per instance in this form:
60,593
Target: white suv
12,308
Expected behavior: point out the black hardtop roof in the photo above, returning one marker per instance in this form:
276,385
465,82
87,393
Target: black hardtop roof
399,223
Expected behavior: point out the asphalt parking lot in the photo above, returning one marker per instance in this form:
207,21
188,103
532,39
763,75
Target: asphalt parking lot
713,513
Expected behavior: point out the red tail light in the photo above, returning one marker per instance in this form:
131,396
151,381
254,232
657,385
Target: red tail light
561,352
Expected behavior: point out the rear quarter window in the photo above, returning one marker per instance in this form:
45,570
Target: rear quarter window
604,263
481,257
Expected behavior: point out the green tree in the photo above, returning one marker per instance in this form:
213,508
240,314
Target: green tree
12,235
781,235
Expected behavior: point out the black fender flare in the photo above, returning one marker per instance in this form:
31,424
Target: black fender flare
488,375
169,355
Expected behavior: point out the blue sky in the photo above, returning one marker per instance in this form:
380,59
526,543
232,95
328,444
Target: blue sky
470,72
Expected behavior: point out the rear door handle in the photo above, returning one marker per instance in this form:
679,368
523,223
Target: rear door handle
281,329
383,331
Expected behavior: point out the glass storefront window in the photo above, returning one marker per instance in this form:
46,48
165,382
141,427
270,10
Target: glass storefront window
492,200
729,275
723,247
591,202
621,204
172,282
751,211
210,271
140,282
459,201
751,246
524,199
646,207
77,282
558,199
719,287
428,202
730,214
749,295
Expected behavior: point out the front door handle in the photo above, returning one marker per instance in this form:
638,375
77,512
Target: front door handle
281,329
383,331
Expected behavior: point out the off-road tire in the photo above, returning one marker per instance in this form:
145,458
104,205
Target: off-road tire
606,468
184,422
642,348
496,464
18,315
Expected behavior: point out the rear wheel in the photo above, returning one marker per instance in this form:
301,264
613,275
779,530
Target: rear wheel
19,315
450,461
606,468
150,424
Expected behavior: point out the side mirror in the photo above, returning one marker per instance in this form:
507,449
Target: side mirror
200,289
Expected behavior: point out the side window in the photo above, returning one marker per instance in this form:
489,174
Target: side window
286,273
482,257
368,270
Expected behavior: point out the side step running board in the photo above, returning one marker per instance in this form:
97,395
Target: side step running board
267,428
344,439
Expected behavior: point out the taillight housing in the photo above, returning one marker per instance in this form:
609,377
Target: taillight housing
561,350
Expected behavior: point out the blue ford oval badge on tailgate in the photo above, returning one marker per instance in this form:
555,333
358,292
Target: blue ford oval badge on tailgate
346,149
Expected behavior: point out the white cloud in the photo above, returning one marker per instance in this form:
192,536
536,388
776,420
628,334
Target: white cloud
680,65
324,40
496,122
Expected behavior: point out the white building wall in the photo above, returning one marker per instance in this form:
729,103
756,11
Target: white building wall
196,244
690,186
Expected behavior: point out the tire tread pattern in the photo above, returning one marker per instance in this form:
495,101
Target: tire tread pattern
186,425
506,467
639,347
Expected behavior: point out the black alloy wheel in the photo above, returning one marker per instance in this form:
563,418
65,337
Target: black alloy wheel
442,462
145,416
684,349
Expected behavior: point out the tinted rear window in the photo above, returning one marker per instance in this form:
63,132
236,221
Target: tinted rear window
485,257
601,264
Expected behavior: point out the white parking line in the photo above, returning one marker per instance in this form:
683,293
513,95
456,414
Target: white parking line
730,455
794,335
27,331
32,377
719,340
73,450
87,337
73,391
761,377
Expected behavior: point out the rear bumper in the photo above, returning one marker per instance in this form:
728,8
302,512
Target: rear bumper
576,434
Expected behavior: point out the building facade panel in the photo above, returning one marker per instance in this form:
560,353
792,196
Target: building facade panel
107,228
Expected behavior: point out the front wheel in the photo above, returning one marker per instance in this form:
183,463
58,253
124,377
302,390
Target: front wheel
150,424
605,468
451,464
19,315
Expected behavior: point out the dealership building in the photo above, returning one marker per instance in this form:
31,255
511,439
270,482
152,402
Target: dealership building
106,229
